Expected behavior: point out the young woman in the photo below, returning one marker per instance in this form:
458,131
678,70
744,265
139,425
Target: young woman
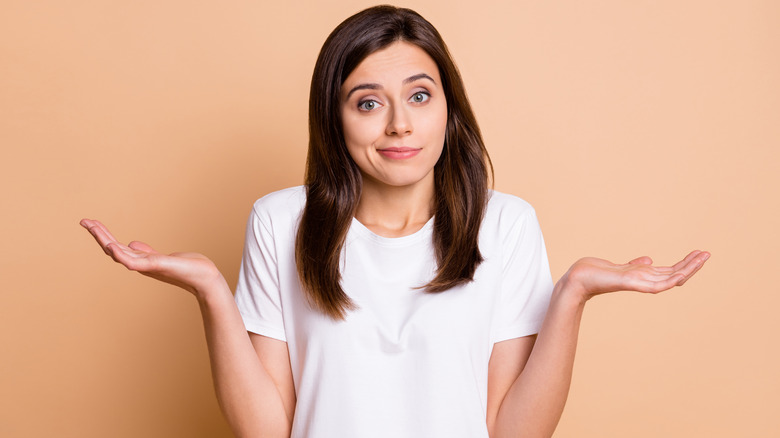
393,295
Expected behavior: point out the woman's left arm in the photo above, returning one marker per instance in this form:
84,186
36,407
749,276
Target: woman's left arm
533,403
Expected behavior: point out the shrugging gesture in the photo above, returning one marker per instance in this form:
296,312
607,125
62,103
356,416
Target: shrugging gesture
534,402
188,270
591,276
252,377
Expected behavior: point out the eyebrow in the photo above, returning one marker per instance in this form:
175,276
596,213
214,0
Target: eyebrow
374,86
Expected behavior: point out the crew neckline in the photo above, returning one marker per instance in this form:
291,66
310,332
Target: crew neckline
424,232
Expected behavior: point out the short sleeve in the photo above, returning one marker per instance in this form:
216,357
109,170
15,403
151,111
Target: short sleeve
257,293
526,284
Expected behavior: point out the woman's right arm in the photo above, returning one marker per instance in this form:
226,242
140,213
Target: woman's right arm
252,376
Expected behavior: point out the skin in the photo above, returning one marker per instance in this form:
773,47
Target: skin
404,108
528,378
533,403
252,375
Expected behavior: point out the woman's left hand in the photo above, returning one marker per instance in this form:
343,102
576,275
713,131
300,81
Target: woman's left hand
591,276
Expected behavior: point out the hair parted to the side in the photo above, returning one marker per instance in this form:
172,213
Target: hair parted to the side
334,182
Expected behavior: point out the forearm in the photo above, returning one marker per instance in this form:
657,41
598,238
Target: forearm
246,392
535,401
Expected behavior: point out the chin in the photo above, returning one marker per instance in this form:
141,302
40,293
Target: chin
399,181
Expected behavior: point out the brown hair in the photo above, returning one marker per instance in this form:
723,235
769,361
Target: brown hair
334,182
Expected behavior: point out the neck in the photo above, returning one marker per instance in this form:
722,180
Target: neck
395,211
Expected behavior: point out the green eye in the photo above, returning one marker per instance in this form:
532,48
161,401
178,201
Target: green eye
367,105
420,97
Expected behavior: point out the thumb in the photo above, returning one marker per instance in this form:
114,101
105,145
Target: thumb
140,246
644,260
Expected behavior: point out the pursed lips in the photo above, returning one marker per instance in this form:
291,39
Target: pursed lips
399,153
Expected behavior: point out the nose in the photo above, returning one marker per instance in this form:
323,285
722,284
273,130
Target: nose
399,124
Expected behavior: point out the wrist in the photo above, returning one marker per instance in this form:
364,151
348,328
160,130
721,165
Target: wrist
569,291
215,290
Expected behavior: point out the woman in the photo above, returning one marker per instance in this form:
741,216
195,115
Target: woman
393,294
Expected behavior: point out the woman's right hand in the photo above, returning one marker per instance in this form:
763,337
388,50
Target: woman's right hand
191,271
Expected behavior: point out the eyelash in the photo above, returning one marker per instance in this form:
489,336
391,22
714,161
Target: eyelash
422,93
362,103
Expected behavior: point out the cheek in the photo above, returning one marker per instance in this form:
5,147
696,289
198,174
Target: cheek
440,125
356,139
350,132
357,131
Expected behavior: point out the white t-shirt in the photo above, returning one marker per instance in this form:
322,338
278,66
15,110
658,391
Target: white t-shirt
406,363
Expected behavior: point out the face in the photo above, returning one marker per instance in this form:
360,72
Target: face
395,116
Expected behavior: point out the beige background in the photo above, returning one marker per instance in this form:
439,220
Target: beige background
633,127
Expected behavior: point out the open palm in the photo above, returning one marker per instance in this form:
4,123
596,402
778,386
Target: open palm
593,276
188,270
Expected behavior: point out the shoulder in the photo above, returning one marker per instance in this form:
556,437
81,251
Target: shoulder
289,198
280,209
507,219
503,207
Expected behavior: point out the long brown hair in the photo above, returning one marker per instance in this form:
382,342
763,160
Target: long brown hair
334,182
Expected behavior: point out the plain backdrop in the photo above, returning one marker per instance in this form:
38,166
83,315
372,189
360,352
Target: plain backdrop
634,128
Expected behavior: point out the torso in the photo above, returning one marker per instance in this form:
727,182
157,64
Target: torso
405,362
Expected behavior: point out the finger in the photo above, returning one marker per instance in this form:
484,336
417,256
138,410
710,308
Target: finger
114,251
132,259
644,260
680,266
654,287
699,263
101,234
692,255
140,246
658,276
647,273
664,269
91,224
676,280
692,263
688,270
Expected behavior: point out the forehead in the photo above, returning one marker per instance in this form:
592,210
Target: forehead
392,65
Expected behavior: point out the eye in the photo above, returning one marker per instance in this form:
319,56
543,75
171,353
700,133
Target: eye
367,105
420,97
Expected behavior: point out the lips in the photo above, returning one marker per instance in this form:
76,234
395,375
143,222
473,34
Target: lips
399,153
